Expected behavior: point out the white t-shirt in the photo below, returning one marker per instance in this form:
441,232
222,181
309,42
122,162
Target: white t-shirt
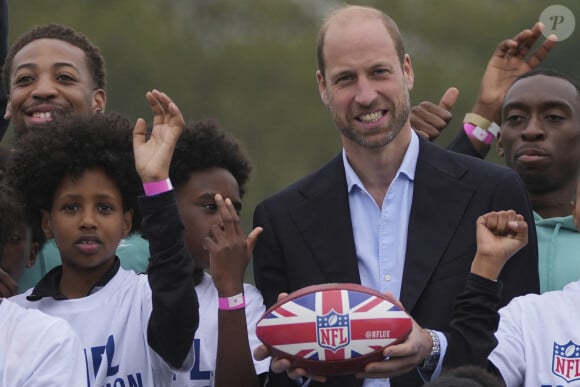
205,341
539,339
37,350
112,325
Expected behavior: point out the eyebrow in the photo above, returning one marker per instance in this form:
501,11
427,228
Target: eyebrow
54,65
550,104
207,195
211,196
99,196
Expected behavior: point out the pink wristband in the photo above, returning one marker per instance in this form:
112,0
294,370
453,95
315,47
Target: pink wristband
156,187
232,303
476,132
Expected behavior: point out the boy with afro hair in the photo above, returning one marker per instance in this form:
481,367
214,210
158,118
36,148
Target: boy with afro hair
79,176
209,171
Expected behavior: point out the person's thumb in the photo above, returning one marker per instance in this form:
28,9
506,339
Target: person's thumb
449,98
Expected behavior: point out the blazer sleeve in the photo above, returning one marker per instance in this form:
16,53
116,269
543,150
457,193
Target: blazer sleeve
269,272
269,275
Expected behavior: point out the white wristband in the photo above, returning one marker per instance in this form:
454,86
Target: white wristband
494,129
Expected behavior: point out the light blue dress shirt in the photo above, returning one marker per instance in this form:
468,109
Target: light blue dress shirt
380,234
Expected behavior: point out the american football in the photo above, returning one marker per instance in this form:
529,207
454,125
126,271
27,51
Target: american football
333,329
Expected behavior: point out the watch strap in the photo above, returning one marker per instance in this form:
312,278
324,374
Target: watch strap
432,359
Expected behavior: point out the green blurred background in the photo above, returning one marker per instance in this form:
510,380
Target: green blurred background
251,63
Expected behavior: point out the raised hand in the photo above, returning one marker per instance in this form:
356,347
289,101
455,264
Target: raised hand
229,255
429,119
153,154
510,59
499,236
229,250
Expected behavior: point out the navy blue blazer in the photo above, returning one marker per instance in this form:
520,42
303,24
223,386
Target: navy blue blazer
307,237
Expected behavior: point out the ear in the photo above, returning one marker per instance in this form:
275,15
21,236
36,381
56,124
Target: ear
499,145
45,224
408,72
8,112
127,222
99,101
322,88
34,247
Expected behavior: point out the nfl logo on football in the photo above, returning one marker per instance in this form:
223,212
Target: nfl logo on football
333,330
566,361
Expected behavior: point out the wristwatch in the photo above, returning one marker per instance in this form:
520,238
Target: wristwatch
432,359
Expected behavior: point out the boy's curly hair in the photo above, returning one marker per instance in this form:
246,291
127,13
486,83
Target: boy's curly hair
95,60
204,144
68,146
10,214
37,233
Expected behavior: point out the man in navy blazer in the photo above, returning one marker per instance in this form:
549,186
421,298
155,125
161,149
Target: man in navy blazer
391,211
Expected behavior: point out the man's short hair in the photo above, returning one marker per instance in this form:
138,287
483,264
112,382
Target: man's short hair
95,60
387,21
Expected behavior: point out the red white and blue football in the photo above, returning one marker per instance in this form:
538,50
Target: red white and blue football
333,329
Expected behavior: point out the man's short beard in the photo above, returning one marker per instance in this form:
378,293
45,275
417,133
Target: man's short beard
400,114
20,129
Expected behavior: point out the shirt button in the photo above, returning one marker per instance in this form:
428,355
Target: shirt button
387,277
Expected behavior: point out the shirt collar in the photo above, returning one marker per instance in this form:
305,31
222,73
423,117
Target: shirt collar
49,285
407,167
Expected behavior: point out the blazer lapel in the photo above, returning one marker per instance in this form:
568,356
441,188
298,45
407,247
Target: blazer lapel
439,202
323,219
